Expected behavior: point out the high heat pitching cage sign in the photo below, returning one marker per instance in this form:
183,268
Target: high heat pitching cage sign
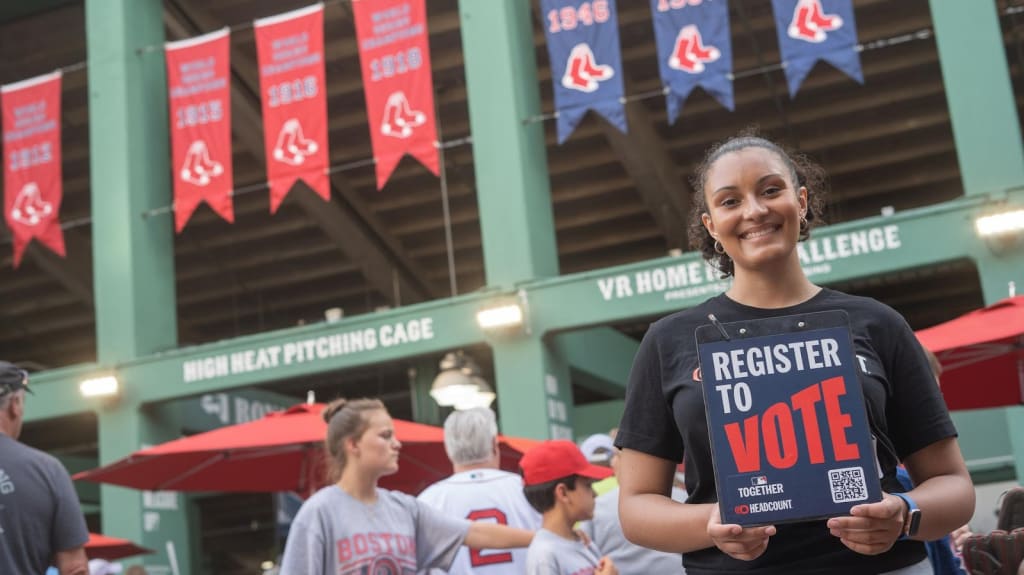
789,431
32,162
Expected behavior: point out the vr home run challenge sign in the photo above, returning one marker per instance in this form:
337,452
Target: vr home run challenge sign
786,417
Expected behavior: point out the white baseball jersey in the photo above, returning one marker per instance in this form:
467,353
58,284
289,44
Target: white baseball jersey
485,495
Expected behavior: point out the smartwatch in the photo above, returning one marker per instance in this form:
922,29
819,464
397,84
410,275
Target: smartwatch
911,518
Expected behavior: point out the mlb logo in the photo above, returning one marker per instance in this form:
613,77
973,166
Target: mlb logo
759,480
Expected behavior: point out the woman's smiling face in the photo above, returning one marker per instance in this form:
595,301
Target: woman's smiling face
754,209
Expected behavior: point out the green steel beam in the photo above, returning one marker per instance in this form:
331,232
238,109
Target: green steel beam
998,274
534,389
56,392
516,220
159,520
90,508
420,329
210,411
1015,430
133,257
573,302
509,156
600,358
425,328
984,437
862,248
598,417
982,108
424,408
87,492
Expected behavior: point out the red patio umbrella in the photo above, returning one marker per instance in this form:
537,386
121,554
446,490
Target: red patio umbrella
112,548
982,355
282,451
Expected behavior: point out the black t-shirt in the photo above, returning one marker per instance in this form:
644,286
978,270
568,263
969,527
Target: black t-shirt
664,416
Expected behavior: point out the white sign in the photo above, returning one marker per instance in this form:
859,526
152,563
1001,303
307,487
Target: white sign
308,350
816,253
697,278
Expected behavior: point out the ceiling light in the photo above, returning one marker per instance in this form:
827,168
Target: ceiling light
459,383
99,386
482,397
499,317
1000,224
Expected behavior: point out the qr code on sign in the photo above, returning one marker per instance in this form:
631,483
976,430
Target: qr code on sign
847,484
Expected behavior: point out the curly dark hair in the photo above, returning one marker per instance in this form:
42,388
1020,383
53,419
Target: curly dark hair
803,171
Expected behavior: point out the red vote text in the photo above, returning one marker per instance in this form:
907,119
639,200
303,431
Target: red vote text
776,430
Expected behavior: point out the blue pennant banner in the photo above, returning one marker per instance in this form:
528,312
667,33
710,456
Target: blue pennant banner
586,65
812,30
694,49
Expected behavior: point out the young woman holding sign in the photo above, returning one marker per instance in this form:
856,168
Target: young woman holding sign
753,203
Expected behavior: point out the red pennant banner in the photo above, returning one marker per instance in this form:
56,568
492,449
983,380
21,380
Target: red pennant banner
199,86
290,50
395,55
32,162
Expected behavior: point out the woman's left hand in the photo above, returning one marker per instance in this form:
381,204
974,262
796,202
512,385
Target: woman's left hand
871,528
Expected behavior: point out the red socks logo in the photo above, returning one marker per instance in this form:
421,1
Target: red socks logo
29,207
582,72
690,53
810,23
399,117
198,169
292,147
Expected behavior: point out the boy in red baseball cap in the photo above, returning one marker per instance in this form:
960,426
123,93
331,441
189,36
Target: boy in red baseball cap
557,482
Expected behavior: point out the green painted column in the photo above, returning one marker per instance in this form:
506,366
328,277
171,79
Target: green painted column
424,409
980,97
158,520
599,417
1015,426
509,156
133,256
600,358
516,220
130,174
534,390
998,273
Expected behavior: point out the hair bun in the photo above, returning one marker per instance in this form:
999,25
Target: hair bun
333,407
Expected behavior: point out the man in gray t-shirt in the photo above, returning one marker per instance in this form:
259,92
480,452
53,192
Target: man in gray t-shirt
631,559
41,522
337,534
605,530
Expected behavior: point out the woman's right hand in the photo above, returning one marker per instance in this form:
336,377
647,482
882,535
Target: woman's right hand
736,541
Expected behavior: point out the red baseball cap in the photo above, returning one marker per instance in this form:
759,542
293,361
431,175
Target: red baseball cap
557,458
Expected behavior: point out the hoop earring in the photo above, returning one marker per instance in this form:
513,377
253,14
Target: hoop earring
719,249
804,226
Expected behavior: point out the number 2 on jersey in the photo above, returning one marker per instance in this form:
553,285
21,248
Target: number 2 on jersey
477,557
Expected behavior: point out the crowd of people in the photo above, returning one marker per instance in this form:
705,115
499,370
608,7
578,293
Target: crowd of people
658,511
753,203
